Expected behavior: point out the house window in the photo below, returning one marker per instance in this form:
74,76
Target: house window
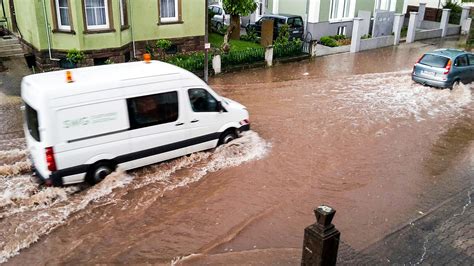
341,9
62,13
123,13
96,12
386,5
169,10
341,30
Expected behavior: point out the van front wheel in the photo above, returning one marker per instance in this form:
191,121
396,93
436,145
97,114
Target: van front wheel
228,136
98,172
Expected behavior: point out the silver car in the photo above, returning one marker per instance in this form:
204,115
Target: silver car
444,68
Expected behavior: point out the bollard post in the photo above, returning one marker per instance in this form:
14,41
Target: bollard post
269,55
216,64
397,27
464,14
412,27
421,15
355,41
445,21
321,240
313,45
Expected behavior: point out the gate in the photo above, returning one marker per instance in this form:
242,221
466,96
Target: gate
307,43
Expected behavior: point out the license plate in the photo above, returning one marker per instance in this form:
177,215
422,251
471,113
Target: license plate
430,73
296,31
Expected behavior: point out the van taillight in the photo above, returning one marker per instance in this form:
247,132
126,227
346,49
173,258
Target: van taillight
50,159
448,67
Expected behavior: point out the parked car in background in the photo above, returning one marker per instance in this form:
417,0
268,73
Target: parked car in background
220,18
295,23
444,68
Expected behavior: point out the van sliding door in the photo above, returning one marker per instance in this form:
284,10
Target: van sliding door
158,131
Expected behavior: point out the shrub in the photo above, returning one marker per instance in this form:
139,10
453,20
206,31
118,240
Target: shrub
163,44
75,56
283,36
251,36
192,62
456,10
328,41
339,37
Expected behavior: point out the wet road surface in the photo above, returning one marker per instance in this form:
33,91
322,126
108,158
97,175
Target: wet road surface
346,130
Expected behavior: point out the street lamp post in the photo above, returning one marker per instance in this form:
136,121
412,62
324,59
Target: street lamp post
206,40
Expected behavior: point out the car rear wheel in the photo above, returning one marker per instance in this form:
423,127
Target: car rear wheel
455,84
98,171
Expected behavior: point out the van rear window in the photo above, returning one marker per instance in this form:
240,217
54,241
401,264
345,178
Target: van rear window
434,60
32,122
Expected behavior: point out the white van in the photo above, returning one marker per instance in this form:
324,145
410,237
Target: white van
128,115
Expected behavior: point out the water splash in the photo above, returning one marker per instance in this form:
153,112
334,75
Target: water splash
28,212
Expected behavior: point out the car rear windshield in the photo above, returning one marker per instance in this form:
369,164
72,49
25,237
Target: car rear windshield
32,122
434,60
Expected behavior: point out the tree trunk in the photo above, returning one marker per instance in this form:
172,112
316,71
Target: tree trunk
235,22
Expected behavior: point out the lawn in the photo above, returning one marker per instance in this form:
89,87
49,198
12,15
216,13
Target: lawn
216,41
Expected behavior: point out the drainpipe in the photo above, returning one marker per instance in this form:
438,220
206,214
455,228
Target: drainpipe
131,31
47,32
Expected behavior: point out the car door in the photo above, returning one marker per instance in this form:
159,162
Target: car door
463,70
205,119
471,66
157,127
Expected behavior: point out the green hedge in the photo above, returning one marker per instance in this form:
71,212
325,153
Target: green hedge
328,41
248,56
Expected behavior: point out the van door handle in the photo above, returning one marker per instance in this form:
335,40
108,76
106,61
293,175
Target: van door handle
195,120
179,124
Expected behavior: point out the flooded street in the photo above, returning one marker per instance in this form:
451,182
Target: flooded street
351,131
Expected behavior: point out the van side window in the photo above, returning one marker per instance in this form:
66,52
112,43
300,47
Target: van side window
153,110
32,122
202,101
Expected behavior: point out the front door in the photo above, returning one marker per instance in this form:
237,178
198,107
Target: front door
204,119
260,9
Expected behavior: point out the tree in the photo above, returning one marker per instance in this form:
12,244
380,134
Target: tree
236,8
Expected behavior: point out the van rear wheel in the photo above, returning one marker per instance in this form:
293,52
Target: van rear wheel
227,136
98,172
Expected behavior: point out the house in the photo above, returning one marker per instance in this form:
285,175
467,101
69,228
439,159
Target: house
330,17
438,4
116,30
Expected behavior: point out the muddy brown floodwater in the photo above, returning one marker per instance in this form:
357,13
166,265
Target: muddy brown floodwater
350,131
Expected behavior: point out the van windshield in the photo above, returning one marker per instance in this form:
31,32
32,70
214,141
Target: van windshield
32,122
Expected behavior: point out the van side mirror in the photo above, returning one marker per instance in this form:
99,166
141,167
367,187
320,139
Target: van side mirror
220,108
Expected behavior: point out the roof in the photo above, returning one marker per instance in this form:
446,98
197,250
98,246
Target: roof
96,78
281,15
451,53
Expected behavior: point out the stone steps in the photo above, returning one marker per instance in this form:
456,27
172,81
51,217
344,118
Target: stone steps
10,47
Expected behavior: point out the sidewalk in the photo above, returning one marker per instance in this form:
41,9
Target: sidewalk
443,236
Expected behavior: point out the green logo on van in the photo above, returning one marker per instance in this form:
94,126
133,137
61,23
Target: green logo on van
87,120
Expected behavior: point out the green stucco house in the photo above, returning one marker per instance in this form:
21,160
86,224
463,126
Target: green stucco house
118,30
330,17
